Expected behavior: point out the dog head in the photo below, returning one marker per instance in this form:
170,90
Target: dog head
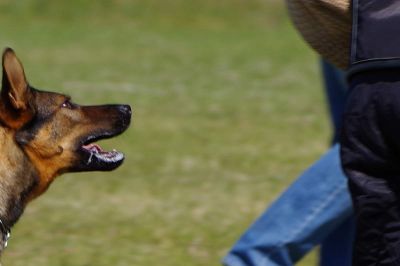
56,134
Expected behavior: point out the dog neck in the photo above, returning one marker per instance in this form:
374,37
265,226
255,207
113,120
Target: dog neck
17,178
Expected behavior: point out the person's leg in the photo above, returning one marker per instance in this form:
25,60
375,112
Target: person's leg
336,93
336,248
316,203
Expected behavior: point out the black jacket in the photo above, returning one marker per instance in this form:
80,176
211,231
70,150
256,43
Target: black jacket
371,133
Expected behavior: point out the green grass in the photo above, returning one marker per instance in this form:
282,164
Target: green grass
228,110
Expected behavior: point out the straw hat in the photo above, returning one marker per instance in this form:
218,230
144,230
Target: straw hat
326,26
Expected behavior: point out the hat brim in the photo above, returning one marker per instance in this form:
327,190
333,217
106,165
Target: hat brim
326,26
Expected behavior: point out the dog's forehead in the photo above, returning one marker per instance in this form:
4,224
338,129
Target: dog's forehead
49,100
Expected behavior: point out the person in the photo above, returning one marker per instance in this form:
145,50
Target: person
370,142
302,218
371,131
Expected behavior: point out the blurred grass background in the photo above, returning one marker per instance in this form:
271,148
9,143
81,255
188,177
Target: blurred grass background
228,110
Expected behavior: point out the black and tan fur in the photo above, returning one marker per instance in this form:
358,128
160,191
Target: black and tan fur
43,134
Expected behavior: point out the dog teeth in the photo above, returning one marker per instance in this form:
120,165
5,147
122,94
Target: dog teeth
90,158
105,156
110,157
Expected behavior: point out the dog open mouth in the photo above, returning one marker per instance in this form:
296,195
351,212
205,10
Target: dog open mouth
106,156
91,156
95,158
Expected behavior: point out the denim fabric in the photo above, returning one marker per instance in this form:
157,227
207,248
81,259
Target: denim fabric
301,218
336,248
336,94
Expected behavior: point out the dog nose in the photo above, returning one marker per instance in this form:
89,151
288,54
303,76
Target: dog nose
125,109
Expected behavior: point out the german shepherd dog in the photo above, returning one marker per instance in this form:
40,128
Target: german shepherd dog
43,135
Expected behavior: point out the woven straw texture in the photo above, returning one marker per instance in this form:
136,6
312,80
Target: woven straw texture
326,26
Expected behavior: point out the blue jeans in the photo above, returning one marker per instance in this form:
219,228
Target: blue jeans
311,210
336,94
336,248
316,208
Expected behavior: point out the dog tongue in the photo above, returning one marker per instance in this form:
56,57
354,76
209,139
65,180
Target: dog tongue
93,147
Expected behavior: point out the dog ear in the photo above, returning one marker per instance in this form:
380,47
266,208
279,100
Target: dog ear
16,93
14,80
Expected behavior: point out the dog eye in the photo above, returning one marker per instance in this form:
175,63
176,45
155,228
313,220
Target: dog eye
67,104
